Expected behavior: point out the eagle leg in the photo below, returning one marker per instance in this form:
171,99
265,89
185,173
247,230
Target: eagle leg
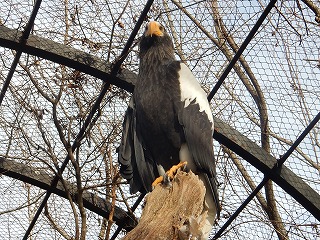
169,175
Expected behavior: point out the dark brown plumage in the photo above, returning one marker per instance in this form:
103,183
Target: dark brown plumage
168,120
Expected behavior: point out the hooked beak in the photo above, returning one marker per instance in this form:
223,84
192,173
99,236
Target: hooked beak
154,28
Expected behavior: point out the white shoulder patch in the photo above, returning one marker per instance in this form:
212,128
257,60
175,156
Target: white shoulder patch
190,89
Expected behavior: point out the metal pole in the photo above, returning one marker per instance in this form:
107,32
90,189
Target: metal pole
275,168
95,107
241,49
23,41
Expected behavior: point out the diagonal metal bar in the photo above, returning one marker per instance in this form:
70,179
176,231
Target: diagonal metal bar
95,107
96,67
241,49
284,172
239,210
276,168
299,140
23,41
132,36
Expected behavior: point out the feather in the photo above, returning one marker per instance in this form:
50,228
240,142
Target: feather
169,114
133,156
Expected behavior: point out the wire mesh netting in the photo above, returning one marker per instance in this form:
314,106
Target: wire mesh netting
269,97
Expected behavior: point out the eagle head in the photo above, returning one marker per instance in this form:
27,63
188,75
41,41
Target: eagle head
156,41
154,29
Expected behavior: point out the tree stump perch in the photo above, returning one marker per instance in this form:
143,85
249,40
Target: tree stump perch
168,209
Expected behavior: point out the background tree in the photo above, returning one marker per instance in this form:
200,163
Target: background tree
270,96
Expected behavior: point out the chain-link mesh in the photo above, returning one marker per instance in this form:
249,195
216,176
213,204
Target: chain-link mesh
269,97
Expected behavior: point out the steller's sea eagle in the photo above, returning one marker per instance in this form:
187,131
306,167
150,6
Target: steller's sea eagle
168,121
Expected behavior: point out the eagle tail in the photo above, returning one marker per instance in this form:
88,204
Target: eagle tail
136,165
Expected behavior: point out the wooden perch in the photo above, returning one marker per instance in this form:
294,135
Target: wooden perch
168,208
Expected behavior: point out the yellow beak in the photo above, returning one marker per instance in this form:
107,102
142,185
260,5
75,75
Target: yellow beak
153,28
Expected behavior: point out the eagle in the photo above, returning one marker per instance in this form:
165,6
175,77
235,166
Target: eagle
168,122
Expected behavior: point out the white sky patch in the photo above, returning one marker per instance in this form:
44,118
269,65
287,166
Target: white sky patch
191,89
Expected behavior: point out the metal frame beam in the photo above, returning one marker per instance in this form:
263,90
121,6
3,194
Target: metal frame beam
125,79
226,135
43,180
68,56
268,165
113,71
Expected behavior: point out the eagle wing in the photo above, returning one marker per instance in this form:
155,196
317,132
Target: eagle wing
135,162
195,116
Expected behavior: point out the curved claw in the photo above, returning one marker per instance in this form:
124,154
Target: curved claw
173,170
169,175
157,181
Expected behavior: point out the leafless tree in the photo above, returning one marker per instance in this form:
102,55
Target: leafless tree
270,96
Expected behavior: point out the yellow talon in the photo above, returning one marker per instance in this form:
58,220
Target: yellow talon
173,170
170,173
157,181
